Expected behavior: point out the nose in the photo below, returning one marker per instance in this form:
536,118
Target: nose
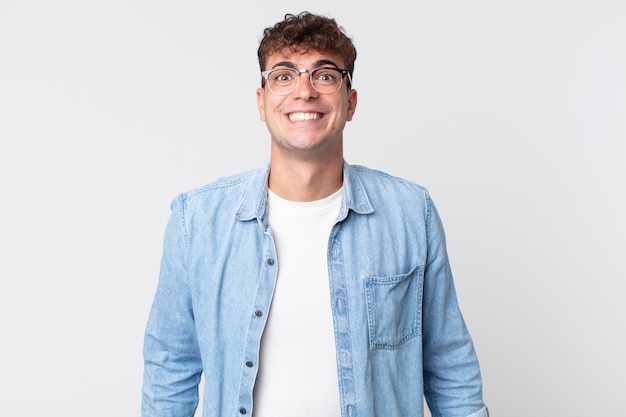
305,89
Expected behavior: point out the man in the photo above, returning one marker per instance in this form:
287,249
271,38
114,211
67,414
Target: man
308,287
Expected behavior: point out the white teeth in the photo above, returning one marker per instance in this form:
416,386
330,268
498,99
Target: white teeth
297,117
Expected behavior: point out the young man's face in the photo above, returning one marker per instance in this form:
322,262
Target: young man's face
306,123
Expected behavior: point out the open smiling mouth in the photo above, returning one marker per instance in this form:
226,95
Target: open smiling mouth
298,117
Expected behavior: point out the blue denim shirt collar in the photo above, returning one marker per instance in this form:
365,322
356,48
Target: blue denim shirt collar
254,202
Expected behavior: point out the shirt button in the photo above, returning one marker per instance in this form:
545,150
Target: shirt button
258,313
270,261
249,364
243,410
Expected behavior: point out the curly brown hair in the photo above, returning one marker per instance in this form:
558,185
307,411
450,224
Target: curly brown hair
307,31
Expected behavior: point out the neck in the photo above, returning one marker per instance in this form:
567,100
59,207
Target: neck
305,180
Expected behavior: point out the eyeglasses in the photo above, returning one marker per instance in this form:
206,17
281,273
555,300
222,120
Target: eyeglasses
324,80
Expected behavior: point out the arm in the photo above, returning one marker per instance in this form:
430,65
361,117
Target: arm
172,363
452,380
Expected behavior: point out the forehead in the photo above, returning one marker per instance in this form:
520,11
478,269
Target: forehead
302,59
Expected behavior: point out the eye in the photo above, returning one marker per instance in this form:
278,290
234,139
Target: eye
326,75
282,76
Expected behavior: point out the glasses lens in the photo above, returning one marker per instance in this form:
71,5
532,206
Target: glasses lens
327,80
283,81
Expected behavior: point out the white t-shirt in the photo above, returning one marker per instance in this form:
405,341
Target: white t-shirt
298,367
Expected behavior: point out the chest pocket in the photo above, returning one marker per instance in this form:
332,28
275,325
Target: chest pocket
394,308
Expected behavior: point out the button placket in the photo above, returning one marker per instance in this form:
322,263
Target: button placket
267,280
342,321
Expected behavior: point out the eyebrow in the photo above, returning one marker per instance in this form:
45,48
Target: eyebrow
316,64
323,62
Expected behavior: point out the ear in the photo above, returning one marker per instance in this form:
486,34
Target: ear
260,101
352,99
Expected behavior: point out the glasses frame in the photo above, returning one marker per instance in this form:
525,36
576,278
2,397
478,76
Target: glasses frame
299,72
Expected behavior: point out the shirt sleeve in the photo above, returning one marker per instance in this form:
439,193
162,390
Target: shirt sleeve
172,362
452,380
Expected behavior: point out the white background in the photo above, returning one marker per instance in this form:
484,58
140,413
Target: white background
512,113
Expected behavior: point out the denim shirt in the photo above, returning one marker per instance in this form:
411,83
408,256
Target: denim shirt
399,333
